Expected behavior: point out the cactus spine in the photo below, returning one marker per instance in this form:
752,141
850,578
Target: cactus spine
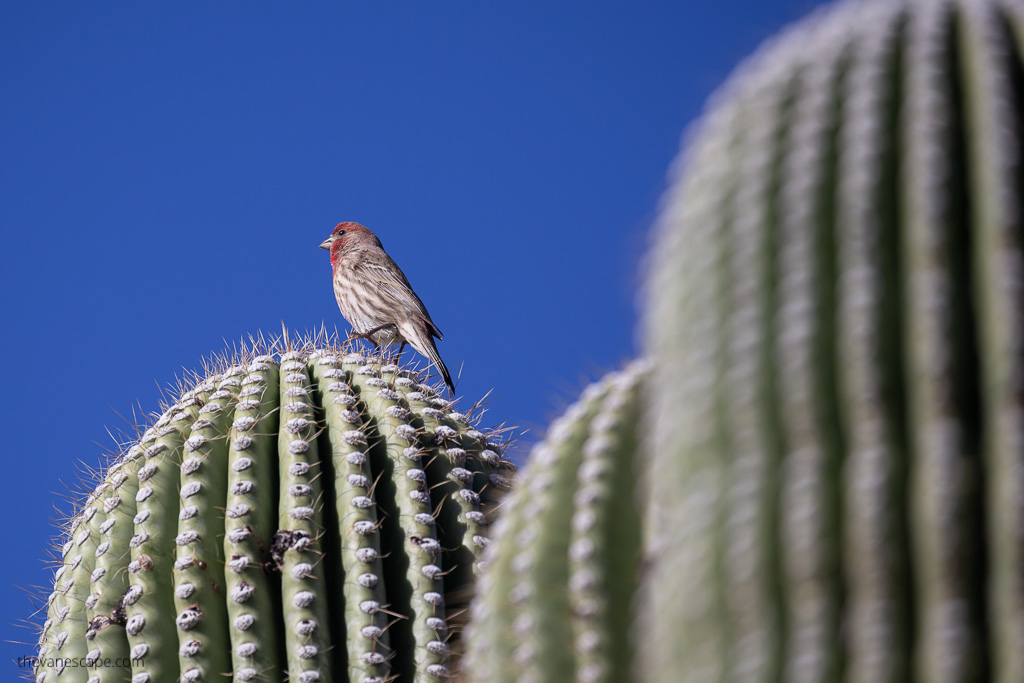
320,516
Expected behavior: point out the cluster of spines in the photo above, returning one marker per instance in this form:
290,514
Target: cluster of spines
392,455
405,485
554,603
473,470
191,577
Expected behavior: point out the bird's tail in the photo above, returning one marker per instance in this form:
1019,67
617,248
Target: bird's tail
423,342
435,358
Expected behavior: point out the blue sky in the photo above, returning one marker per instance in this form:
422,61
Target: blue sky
168,171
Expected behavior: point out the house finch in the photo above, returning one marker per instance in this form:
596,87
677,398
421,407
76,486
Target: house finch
376,298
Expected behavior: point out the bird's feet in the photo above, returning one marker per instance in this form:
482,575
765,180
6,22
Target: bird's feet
370,334
364,335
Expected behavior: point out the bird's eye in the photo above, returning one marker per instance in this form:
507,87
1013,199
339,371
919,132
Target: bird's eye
340,233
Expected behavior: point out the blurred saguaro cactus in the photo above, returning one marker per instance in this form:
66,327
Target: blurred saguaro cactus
837,314
831,468
554,602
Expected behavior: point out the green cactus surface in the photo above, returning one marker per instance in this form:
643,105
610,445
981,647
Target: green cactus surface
313,515
554,603
836,313
831,440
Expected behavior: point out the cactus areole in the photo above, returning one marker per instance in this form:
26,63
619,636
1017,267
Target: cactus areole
317,514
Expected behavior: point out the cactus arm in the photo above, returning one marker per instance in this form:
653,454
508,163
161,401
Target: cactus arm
556,596
604,551
301,526
250,520
541,565
489,633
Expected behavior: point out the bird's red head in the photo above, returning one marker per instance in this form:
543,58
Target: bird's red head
345,236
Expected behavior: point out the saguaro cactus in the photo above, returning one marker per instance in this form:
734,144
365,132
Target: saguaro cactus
322,515
837,315
555,601
832,461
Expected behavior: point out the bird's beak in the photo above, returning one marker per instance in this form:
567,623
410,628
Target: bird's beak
326,244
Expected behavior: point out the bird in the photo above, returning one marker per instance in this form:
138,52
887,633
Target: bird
376,298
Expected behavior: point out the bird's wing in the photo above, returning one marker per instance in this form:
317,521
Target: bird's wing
390,282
